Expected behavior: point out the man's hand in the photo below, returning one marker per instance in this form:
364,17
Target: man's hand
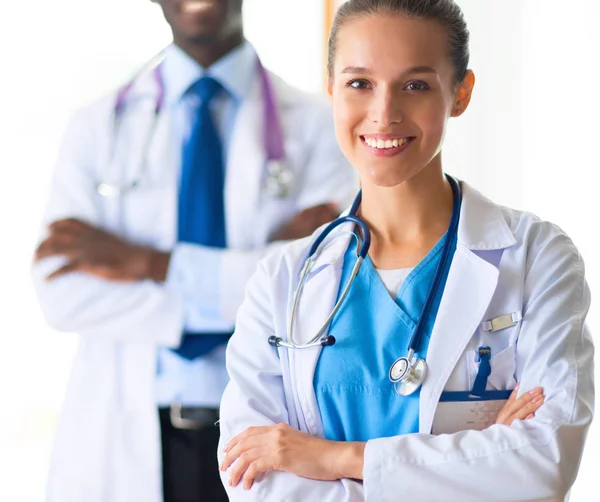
96,252
306,222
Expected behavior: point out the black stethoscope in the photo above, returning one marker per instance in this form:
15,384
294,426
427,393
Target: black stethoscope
406,373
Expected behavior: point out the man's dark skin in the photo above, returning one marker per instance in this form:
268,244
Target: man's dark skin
206,35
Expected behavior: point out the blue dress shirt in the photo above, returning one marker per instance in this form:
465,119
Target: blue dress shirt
200,382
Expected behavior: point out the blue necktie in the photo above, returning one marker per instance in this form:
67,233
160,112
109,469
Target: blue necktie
201,205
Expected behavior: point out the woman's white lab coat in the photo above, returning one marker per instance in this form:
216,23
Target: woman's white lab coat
107,446
506,262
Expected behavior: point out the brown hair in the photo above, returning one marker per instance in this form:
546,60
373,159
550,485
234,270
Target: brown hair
445,12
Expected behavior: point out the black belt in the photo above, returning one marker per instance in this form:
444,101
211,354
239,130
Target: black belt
192,417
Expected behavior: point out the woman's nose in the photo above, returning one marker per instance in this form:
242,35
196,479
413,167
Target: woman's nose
385,109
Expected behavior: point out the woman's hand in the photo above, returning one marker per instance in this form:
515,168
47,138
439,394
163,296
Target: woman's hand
522,408
282,448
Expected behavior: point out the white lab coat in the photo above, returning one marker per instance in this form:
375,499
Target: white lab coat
107,445
506,261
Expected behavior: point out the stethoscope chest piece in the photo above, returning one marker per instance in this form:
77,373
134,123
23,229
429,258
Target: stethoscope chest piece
279,179
108,190
408,375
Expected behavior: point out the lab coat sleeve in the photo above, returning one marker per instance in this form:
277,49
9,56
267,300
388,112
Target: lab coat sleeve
255,396
211,281
137,312
194,272
536,459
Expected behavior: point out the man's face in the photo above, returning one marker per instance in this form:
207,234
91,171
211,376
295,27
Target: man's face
204,21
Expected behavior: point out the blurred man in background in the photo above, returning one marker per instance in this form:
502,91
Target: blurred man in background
166,194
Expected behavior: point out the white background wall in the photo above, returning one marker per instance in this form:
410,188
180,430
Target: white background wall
528,141
530,137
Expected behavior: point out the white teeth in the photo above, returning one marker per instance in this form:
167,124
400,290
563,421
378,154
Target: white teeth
193,6
388,143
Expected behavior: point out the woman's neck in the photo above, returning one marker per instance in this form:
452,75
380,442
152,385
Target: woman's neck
407,220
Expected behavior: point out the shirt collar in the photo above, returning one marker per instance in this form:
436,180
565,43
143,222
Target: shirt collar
482,227
234,71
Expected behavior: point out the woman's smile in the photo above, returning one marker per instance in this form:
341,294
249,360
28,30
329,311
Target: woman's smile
386,145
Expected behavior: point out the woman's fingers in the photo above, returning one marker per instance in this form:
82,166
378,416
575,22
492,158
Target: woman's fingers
244,461
517,404
282,448
513,395
520,408
529,409
249,446
257,467
250,431
233,451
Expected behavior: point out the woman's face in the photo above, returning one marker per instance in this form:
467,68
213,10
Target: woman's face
392,91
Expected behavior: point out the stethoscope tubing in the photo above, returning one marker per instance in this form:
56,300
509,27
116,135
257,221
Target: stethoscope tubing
363,246
272,133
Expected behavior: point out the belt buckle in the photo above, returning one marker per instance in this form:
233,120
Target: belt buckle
179,422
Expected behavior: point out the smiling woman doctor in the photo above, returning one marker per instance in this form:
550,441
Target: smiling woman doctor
373,382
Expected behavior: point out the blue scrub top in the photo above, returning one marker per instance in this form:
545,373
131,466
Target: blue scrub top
356,399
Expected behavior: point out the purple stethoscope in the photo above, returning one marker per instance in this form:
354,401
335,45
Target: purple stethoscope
279,177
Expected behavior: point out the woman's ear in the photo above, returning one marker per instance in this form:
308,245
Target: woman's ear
330,88
463,95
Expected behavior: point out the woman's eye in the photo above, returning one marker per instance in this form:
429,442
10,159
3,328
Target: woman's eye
358,84
416,86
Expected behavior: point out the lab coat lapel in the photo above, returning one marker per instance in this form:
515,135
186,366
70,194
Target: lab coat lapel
315,305
470,286
469,289
139,148
244,172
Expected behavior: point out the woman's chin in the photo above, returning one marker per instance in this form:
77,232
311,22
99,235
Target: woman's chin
378,178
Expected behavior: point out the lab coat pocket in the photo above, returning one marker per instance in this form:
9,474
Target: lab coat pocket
460,411
150,211
503,367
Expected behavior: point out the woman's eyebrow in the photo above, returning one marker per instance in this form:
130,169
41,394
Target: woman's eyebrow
420,69
410,71
356,69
